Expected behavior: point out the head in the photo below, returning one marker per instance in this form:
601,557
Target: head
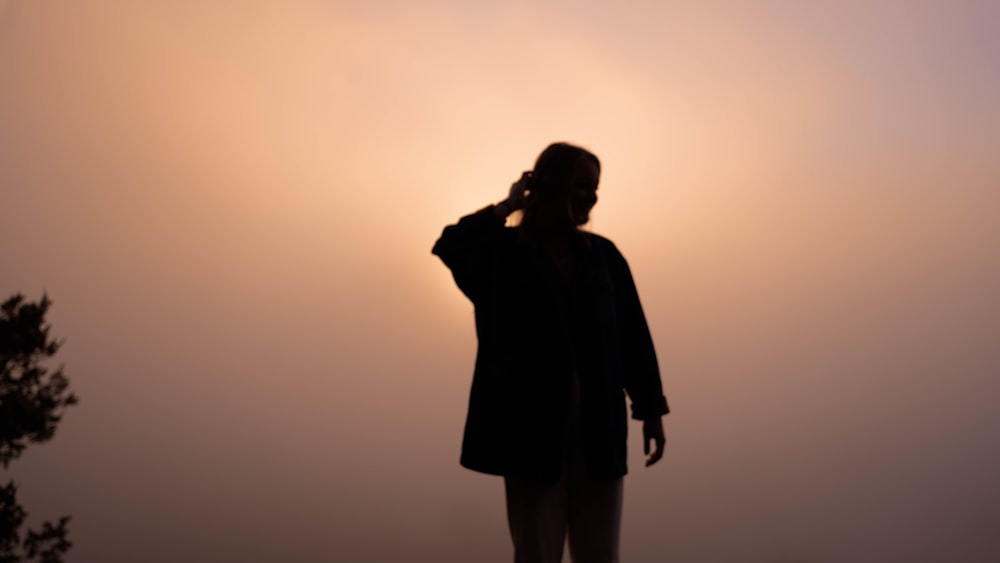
563,189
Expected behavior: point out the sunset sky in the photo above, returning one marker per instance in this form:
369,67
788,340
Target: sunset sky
232,206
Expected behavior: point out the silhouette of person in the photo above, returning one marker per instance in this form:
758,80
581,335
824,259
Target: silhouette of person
562,339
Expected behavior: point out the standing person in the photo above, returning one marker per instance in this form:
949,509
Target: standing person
562,338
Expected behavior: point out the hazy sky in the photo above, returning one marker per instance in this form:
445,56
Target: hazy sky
232,206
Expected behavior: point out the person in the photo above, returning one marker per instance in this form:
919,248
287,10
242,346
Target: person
561,339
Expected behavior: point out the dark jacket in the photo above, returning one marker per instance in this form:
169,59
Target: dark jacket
534,328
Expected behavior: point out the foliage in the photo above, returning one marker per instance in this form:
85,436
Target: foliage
32,402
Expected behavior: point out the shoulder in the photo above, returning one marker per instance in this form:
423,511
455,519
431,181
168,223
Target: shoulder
607,253
599,240
605,246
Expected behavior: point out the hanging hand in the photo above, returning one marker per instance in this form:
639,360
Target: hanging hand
652,431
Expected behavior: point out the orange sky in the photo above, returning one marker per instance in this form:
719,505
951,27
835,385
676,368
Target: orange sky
232,208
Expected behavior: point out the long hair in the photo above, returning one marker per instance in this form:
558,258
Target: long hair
548,190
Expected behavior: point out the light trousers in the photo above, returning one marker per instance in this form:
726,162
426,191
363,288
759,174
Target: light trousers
583,510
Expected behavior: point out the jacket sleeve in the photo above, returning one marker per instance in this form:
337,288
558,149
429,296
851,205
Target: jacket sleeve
467,248
642,372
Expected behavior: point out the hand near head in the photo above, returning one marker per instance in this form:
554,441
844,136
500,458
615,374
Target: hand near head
516,197
652,431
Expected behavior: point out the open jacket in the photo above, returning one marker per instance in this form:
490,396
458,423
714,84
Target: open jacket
535,331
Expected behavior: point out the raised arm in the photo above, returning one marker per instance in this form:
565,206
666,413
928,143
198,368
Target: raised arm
466,247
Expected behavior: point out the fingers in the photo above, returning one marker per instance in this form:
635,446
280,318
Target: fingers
652,431
518,191
522,183
657,453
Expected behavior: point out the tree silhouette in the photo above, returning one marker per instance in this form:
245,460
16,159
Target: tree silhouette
32,402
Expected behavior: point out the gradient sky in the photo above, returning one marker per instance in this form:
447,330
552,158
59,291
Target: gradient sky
232,206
